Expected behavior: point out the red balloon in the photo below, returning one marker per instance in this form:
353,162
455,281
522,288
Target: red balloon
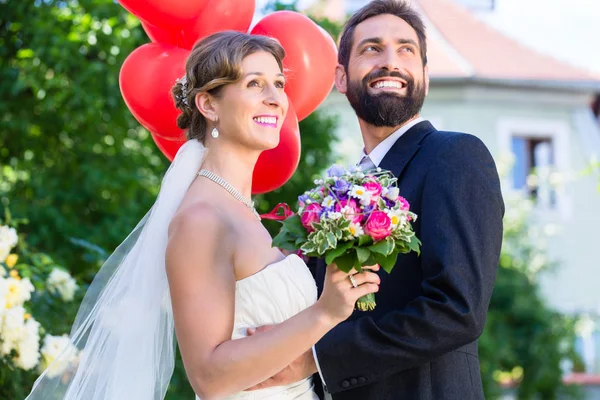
146,79
276,166
168,147
220,15
164,36
311,57
165,14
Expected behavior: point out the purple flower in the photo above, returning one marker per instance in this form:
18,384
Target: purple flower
302,199
336,170
389,203
368,209
341,186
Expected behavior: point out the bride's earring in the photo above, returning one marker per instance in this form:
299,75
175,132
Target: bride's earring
215,131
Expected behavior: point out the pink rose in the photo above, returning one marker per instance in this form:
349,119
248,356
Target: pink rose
375,189
311,214
403,203
378,226
354,213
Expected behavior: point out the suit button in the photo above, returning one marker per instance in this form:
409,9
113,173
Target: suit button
362,380
345,384
353,381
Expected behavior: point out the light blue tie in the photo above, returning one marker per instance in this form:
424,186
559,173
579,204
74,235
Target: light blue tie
366,164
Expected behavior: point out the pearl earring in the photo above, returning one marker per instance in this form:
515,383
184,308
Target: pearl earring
215,131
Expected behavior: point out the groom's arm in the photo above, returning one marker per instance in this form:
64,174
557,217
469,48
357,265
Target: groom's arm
461,234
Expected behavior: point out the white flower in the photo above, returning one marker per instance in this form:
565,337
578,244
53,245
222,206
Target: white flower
4,251
53,347
28,347
62,282
8,235
12,327
328,201
362,194
398,217
334,215
355,230
18,291
3,292
391,193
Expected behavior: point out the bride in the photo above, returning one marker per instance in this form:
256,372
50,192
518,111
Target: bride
200,263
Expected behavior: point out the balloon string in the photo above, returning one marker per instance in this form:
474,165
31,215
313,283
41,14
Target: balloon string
273,215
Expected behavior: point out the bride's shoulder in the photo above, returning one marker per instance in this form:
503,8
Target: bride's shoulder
199,220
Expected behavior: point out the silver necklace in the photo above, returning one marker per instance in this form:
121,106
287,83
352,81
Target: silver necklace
232,191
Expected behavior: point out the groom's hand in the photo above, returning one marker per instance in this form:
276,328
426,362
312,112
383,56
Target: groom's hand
301,368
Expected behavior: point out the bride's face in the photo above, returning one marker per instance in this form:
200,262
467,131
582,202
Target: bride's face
251,111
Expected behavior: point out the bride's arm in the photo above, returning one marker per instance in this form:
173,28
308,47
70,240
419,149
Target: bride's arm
202,285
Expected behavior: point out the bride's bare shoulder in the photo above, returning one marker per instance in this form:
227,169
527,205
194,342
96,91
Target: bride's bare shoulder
198,218
202,224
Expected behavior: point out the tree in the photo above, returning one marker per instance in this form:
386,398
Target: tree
72,159
524,341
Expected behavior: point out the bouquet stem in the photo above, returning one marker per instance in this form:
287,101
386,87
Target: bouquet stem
366,302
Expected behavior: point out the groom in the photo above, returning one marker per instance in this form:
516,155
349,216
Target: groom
420,342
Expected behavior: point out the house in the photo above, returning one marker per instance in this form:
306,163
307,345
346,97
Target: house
521,102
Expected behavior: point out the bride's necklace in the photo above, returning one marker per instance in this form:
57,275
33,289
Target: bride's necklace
232,191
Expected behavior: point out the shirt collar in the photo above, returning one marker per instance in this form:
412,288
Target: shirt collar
382,148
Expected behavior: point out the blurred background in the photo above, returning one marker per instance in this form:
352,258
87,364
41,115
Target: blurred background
77,171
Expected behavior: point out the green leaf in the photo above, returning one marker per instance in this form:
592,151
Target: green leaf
308,247
365,240
322,247
363,255
338,234
294,225
338,251
331,240
283,241
383,247
386,262
415,244
346,261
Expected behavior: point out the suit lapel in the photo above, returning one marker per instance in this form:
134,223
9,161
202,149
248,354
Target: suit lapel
405,148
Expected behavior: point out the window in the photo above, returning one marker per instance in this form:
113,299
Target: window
534,156
539,147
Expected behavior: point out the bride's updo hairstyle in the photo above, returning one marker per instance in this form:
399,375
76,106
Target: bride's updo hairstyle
214,62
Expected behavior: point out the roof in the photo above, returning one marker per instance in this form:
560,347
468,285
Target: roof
460,46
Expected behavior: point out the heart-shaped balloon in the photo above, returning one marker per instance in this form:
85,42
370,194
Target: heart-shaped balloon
219,15
168,147
276,166
310,59
163,14
146,79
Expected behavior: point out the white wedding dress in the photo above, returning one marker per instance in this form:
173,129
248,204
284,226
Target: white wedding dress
272,295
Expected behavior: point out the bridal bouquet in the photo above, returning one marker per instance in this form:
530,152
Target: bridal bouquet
352,219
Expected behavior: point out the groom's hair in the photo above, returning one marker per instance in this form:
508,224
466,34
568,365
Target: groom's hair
399,8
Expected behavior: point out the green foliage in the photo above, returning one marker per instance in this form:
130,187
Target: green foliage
72,158
524,340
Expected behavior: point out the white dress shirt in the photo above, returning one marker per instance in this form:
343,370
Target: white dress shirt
382,148
376,157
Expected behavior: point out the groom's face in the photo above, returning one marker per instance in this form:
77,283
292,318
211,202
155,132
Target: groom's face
385,80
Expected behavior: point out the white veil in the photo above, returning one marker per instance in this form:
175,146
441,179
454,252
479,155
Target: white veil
123,331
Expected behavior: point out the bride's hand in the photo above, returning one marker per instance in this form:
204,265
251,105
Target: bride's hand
339,294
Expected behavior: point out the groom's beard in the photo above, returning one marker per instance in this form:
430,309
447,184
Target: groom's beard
385,109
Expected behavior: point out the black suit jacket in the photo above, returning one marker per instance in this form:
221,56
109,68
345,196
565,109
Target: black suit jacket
421,340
